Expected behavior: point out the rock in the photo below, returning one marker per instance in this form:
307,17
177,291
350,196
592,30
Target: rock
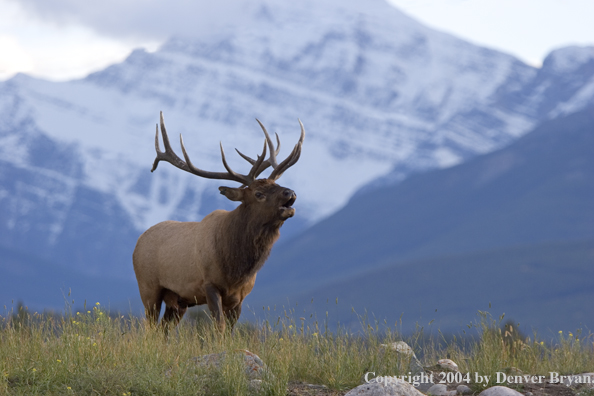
422,383
464,390
424,386
447,364
314,386
415,368
439,390
406,354
399,346
255,385
255,368
500,391
390,387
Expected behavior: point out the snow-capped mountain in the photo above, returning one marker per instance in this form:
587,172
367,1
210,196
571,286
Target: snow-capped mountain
379,94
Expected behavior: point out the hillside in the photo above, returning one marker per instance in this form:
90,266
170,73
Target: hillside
544,286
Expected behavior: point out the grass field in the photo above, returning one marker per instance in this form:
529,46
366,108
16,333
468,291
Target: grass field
93,352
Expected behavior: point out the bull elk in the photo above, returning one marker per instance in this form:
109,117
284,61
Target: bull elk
214,261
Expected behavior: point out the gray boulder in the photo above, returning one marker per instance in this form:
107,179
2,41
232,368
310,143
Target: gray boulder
500,391
255,368
440,390
408,363
389,387
464,390
405,354
447,364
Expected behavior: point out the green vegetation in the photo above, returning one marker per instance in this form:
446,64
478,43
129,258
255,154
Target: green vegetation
500,348
94,353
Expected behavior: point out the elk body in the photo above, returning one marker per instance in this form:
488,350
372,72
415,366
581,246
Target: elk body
214,261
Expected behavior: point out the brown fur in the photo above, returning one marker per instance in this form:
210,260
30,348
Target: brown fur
213,261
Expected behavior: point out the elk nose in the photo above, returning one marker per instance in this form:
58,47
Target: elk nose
288,193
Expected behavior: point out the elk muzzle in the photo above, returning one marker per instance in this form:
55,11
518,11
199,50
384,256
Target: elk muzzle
288,199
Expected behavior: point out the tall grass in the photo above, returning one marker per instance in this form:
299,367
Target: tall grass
501,348
94,353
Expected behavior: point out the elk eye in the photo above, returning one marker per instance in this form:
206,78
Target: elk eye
259,194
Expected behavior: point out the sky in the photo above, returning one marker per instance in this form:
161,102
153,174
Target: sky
65,39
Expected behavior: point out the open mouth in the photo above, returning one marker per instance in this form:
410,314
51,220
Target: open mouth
289,203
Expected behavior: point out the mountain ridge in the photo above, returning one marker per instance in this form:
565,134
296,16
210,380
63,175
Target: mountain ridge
378,94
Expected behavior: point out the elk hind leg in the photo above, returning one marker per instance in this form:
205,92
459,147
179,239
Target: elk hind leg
151,299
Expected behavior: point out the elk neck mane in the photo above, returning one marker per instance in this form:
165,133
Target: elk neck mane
245,242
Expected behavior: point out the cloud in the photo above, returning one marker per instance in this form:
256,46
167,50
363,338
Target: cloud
141,19
18,59
63,39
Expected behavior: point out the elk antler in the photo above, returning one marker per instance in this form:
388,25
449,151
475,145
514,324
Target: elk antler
271,161
170,156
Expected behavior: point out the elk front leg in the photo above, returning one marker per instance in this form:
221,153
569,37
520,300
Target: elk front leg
215,304
232,315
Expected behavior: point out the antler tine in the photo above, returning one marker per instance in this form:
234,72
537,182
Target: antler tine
271,161
272,158
170,156
302,136
244,179
254,171
252,161
288,162
291,159
157,149
207,174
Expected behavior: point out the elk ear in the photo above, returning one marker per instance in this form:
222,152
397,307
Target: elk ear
234,194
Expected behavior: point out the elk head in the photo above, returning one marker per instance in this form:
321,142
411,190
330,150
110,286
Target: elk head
253,193
264,192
